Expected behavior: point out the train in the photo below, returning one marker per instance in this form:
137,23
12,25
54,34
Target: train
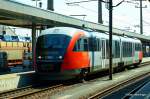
14,49
65,52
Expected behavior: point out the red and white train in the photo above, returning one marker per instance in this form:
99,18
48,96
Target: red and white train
65,52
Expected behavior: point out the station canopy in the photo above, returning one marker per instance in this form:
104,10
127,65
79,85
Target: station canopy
21,15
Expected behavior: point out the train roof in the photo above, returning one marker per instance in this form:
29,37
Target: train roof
61,30
71,31
127,39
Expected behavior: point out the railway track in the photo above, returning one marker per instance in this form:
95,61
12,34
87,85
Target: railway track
145,63
121,85
28,92
40,92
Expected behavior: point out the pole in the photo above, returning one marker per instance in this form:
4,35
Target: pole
33,43
50,5
110,39
141,18
100,12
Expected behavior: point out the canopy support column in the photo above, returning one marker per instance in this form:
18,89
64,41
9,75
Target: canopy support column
33,43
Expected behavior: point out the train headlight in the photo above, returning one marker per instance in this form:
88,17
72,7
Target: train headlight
60,57
39,57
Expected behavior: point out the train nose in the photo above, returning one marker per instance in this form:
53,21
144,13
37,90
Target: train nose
54,66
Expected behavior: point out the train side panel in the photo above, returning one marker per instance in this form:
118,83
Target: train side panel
73,58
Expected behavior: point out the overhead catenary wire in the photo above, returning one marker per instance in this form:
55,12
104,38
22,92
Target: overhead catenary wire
93,11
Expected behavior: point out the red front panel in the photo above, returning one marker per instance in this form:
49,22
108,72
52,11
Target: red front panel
75,60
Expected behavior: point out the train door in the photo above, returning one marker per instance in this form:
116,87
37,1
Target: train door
103,54
121,51
95,54
133,51
97,60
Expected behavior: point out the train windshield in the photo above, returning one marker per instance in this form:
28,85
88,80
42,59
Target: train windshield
52,44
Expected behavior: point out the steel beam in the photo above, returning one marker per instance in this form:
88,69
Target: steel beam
27,14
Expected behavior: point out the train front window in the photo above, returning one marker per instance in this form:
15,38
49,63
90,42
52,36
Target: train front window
52,44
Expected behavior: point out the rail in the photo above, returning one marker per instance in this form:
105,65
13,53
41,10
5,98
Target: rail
112,88
26,92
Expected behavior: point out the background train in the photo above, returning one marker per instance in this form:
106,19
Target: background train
65,52
13,50
146,48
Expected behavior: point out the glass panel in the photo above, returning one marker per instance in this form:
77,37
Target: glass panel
52,45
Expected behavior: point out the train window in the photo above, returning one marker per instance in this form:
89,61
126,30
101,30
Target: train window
85,44
107,48
137,47
117,49
140,47
15,38
52,45
7,38
130,49
92,44
98,47
81,45
77,45
125,49
53,42
27,39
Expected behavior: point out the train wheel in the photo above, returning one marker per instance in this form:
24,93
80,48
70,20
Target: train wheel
136,65
120,67
83,75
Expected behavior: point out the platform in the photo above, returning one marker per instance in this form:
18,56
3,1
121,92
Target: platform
16,80
84,90
146,59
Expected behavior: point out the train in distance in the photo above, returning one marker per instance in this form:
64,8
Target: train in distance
14,49
65,52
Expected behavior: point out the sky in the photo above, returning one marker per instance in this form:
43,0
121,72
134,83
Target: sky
126,16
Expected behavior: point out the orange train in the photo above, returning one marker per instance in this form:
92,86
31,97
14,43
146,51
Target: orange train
65,52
